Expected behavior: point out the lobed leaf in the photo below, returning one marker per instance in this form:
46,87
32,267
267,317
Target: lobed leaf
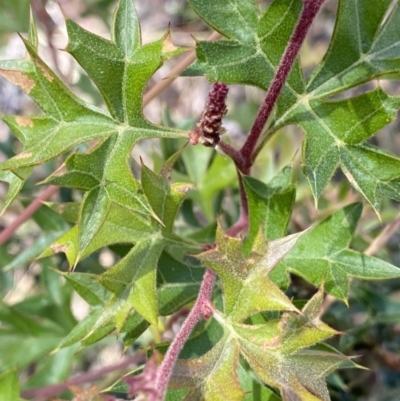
255,43
321,255
278,351
121,68
359,51
335,131
269,205
247,289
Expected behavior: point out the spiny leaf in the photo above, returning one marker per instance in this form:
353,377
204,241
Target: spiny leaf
254,47
335,132
115,208
269,205
134,279
177,286
165,199
16,180
213,376
121,226
247,289
278,351
120,68
335,135
67,121
359,51
107,181
322,255
88,288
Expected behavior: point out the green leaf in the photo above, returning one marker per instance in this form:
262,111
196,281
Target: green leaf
247,289
53,369
254,46
15,180
359,51
269,205
335,131
280,353
9,386
178,283
165,199
52,284
33,35
67,121
321,255
134,279
209,176
53,226
18,348
121,69
212,376
107,182
88,288
254,389
69,211
335,135
121,226
126,32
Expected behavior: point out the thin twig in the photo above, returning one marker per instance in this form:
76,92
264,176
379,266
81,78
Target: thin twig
27,213
44,393
381,240
174,73
164,372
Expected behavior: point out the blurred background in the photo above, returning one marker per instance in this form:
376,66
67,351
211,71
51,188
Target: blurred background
372,319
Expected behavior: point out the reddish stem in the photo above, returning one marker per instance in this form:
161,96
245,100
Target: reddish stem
27,213
243,160
234,155
240,226
165,370
308,13
45,393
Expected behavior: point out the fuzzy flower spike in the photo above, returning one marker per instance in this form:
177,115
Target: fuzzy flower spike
209,128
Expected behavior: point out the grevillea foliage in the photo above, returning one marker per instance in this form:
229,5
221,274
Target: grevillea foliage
244,338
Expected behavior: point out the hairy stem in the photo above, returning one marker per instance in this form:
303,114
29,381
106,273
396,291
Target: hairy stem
165,370
244,158
240,226
309,12
234,154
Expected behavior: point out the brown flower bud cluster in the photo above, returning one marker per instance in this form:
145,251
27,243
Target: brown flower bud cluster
209,128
